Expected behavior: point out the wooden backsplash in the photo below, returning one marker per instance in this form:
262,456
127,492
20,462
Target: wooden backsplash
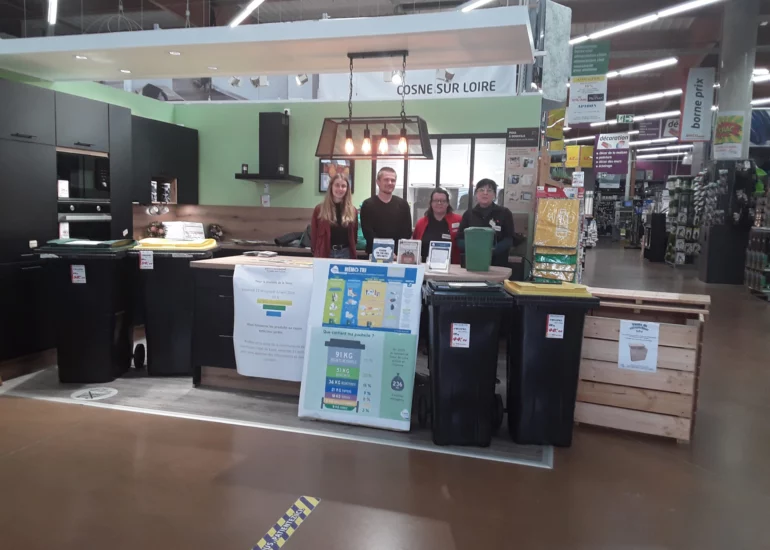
238,222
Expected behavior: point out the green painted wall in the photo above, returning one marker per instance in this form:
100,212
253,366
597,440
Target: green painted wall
139,105
229,136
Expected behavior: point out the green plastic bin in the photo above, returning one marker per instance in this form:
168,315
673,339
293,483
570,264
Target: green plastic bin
478,248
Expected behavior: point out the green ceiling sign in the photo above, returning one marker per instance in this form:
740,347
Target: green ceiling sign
591,58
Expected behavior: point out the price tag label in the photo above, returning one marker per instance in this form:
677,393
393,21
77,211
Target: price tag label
461,335
78,274
146,260
555,327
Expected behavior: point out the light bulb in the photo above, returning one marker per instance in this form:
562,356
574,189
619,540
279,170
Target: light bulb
402,146
349,147
366,146
397,78
384,147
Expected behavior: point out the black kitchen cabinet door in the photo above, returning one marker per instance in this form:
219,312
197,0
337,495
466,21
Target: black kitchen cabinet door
82,123
121,173
27,198
186,164
27,113
26,321
163,152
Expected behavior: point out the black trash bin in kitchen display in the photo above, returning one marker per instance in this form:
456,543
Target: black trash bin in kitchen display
464,328
167,288
544,347
92,284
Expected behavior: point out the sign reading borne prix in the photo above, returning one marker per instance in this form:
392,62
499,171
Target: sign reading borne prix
588,87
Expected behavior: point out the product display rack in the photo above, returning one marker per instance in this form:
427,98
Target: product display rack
683,223
757,272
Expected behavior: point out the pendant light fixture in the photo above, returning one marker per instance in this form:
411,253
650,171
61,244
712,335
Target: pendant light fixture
356,141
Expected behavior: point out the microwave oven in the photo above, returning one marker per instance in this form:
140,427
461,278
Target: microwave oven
88,176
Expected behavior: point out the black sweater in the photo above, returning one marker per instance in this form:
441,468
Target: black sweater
385,220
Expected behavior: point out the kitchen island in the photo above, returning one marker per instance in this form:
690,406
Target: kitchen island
213,354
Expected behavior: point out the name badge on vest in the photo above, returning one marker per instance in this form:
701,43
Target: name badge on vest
446,236
456,225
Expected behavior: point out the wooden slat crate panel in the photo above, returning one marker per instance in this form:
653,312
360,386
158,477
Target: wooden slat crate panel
676,336
634,421
664,380
668,358
691,300
639,399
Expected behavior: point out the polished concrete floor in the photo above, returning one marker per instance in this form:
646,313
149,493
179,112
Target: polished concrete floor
79,478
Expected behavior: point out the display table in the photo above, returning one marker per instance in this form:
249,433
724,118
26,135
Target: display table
229,248
213,356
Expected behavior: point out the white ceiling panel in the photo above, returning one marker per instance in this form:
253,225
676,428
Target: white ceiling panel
498,36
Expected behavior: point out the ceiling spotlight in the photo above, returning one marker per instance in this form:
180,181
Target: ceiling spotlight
234,81
397,78
213,69
80,57
259,81
174,53
245,13
125,71
444,75
301,79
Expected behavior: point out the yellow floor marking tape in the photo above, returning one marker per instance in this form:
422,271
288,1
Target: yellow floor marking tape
284,528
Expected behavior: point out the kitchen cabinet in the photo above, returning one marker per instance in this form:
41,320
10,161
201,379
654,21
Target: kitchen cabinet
27,198
82,123
121,173
25,305
27,113
164,151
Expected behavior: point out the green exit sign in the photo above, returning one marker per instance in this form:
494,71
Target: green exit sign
625,119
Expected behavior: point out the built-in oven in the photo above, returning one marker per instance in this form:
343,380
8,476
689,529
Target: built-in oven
84,219
85,176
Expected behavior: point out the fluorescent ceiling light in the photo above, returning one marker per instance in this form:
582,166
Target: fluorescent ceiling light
80,57
583,138
174,53
715,107
763,101
651,141
644,67
653,116
125,71
687,6
760,78
53,10
639,21
659,155
246,12
213,68
760,70
566,129
645,97
470,6
669,148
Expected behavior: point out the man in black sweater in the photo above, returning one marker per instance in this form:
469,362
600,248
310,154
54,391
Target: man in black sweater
385,216
488,214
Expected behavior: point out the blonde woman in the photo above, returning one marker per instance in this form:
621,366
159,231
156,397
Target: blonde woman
334,226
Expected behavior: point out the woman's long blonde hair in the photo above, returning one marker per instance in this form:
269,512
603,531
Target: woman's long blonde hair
328,212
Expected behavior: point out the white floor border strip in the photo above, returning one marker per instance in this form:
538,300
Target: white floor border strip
454,451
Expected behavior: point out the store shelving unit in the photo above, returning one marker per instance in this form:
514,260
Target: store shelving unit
683,223
758,262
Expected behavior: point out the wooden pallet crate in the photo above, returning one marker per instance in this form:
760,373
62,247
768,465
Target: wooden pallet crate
661,403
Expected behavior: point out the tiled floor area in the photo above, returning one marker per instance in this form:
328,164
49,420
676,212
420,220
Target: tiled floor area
78,477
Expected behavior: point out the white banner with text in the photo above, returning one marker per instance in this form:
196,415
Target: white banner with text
696,108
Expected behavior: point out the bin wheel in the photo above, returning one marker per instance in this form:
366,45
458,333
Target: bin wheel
497,412
139,355
422,410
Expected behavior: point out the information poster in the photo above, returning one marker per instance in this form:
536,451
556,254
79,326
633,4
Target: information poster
521,156
271,310
587,99
728,137
638,346
361,346
698,99
611,153
649,129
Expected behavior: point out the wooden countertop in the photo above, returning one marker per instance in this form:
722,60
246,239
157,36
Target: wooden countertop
456,273
284,250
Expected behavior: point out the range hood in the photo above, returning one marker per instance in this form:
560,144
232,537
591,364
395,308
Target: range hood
273,150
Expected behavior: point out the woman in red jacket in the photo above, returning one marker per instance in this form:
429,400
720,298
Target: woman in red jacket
334,226
438,224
